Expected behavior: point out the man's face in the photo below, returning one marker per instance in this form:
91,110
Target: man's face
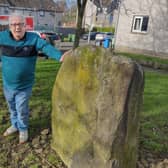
17,27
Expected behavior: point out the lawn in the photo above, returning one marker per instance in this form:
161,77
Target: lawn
154,115
40,104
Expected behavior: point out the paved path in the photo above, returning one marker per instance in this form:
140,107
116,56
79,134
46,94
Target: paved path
69,45
155,70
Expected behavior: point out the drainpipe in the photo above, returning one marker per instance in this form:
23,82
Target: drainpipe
116,27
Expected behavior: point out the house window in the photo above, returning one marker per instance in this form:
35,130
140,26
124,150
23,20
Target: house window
42,13
140,24
6,11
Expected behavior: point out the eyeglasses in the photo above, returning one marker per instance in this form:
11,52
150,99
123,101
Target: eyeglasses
17,24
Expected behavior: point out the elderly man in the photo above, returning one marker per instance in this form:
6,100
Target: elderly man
18,55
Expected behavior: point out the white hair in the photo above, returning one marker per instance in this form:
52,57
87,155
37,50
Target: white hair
16,14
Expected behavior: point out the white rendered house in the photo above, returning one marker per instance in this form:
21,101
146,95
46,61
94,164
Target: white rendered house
143,27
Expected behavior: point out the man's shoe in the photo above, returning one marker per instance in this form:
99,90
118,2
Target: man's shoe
23,136
10,131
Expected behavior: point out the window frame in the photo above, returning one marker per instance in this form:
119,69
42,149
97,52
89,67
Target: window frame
139,30
42,13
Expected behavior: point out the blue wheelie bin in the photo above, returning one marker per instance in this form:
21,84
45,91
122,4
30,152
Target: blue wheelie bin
106,43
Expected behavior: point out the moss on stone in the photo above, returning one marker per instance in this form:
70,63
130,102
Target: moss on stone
89,94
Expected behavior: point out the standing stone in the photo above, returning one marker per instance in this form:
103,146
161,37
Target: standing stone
96,103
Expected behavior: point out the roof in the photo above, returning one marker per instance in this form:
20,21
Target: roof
35,4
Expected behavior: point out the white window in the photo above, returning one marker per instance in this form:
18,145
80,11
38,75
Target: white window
140,24
41,13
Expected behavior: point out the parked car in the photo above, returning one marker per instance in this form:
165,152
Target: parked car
49,36
46,35
104,35
92,35
101,38
39,33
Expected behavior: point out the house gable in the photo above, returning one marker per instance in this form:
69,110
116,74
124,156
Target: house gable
143,27
46,13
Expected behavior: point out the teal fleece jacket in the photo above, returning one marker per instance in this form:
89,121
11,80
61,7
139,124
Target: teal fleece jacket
19,58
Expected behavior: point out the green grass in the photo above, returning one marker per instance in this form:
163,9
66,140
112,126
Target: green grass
40,103
144,57
154,116
154,120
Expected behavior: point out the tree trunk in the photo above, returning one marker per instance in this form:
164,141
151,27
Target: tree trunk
81,9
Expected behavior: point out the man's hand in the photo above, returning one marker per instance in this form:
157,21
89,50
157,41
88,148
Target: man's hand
66,53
